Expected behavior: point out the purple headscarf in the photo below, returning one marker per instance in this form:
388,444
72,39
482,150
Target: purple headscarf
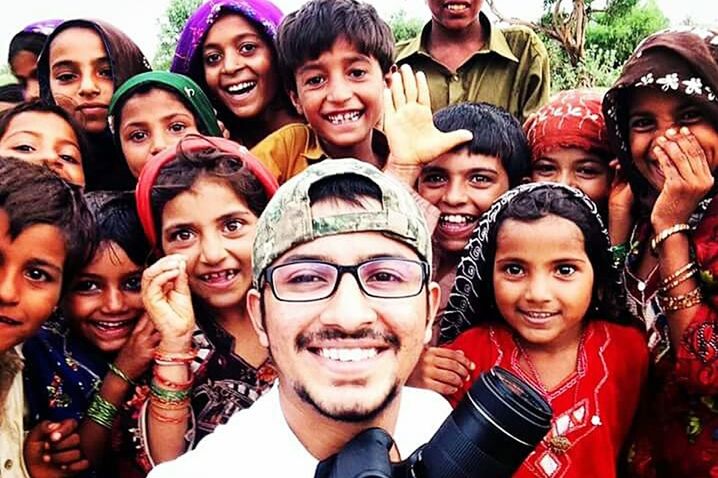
43,27
262,13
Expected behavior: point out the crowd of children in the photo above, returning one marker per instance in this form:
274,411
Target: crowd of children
576,250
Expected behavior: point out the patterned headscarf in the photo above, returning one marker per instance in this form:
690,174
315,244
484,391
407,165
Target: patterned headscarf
681,62
472,294
571,119
262,13
126,58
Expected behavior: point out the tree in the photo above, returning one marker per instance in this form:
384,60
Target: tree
171,25
404,28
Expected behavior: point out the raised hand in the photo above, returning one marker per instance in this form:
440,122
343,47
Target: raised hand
620,203
168,302
409,126
688,178
442,370
136,355
52,450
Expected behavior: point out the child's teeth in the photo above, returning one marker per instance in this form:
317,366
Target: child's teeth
344,117
240,86
456,218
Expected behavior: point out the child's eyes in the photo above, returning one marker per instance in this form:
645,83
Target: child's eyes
690,116
314,80
177,127
641,124
212,59
35,274
65,77
480,178
233,225
357,73
138,136
69,159
247,47
566,270
589,172
434,179
181,235
544,169
23,148
105,72
513,269
86,286
132,284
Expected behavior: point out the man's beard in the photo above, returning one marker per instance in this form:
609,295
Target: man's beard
354,415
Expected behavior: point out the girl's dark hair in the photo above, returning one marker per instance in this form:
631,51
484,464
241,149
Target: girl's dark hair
32,195
116,221
26,41
539,203
188,167
40,107
12,93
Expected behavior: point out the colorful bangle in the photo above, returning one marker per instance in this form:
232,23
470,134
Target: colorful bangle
679,302
168,396
678,277
101,411
173,385
160,417
666,233
118,371
174,358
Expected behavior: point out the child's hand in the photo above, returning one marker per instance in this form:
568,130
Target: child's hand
409,126
136,355
53,450
167,300
442,370
688,178
620,202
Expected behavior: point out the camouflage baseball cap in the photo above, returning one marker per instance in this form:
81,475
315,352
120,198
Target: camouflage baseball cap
287,220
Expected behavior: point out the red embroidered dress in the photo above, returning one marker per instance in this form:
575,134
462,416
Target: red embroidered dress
593,407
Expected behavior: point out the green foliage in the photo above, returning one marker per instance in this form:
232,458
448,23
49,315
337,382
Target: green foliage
5,76
403,27
623,32
596,69
171,25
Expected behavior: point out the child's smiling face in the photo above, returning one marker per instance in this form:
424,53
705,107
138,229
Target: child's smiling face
31,266
543,280
340,94
575,167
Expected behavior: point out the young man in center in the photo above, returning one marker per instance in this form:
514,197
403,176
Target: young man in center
335,57
344,325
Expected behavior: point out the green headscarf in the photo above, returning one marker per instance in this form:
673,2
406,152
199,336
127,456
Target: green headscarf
184,87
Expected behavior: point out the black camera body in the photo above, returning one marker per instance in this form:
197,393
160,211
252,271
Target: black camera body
489,434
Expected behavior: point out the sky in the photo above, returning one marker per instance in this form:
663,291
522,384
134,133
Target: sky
139,18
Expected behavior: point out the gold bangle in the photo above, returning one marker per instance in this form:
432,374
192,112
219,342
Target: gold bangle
665,234
679,302
678,277
120,373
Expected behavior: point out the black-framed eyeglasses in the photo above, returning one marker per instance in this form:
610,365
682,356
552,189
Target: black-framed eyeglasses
310,280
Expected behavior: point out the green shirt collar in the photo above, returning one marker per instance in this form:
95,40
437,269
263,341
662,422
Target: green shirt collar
497,42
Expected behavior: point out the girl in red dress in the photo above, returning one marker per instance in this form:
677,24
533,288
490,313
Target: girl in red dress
536,285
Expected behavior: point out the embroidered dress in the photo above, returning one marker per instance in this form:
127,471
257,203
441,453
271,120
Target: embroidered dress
62,373
677,433
593,407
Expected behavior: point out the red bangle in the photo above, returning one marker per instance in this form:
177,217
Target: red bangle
173,385
175,357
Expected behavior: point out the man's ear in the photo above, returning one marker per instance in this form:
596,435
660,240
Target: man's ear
294,97
434,301
254,308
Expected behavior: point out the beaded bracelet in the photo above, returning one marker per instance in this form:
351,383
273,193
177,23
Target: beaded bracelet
673,303
169,405
678,277
101,411
118,371
665,234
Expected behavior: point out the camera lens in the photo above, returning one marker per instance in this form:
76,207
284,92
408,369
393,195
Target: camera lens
491,432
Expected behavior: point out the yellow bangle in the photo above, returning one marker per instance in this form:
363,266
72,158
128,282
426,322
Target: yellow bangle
666,233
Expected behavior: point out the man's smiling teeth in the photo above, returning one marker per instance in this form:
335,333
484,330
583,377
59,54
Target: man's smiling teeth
215,276
242,87
342,118
457,218
348,355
